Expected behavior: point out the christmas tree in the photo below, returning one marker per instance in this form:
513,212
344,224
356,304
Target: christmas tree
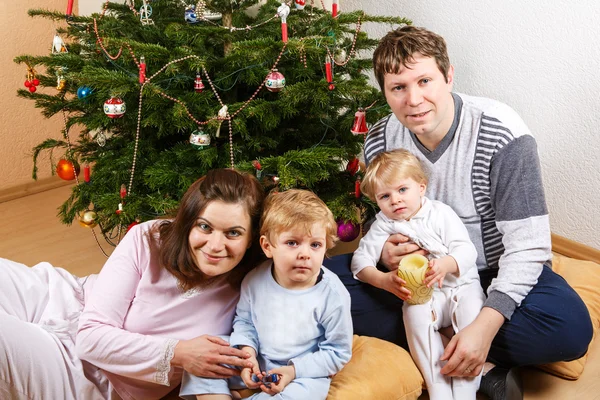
155,93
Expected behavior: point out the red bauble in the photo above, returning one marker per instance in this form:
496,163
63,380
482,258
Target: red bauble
64,169
114,107
331,86
32,88
347,231
275,81
353,166
131,225
28,83
36,82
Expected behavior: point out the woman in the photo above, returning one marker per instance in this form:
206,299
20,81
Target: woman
153,311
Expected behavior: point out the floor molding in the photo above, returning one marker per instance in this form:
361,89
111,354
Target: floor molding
573,249
26,189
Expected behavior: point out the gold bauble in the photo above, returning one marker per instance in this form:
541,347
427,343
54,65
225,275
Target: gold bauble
88,219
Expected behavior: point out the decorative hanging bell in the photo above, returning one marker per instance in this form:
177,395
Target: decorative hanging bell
198,84
359,126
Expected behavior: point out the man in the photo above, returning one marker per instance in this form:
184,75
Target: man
483,162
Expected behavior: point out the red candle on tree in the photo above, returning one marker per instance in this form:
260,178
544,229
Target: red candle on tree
70,8
86,173
142,69
335,8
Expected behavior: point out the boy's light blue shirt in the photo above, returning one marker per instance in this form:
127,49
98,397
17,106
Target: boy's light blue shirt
309,328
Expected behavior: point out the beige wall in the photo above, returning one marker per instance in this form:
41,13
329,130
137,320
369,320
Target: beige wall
22,125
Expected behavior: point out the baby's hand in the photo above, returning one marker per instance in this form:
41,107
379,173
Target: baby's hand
391,282
247,373
436,273
285,375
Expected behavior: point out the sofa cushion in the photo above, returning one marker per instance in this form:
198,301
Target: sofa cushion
584,277
378,370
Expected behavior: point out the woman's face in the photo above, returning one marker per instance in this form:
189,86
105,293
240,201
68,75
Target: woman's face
220,237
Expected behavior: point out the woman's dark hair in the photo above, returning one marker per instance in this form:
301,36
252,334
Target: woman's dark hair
169,240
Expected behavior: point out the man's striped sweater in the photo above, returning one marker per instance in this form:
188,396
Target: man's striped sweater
487,169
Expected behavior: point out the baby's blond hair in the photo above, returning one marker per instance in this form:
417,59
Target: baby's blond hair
390,166
296,209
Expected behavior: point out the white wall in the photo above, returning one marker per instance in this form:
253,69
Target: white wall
542,58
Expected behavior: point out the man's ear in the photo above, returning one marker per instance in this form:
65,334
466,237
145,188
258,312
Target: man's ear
266,246
450,76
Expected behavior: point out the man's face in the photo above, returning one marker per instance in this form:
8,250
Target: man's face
421,99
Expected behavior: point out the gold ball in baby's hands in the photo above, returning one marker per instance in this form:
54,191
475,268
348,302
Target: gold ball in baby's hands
88,219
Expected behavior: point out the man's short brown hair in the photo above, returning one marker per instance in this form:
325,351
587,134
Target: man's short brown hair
398,48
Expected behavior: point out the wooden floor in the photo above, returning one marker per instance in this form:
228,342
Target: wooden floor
30,232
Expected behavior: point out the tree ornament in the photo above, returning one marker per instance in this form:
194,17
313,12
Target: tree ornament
131,225
114,107
275,81
329,72
88,219
222,114
199,139
347,231
283,11
61,81
58,46
67,169
83,92
123,191
207,14
340,56
198,84
357,192
145,13
31,81
359,127
190,14
142,70
256,164
99,137
353,166
300,4
119,209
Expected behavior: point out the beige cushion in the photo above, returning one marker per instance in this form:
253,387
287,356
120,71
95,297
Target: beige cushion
377,370
584,277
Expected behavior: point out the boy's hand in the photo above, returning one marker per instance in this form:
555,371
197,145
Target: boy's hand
391,282
286,375
438,268
247,373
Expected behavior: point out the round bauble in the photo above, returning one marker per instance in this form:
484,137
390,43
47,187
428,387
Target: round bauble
114,107
64,169
83,92
275,81
347,231
88,219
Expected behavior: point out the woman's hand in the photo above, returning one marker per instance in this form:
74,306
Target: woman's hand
468,349
395,248
205,355
286,374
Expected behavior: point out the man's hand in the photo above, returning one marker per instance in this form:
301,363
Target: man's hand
205,355
286,375
395,248
468,349
438,268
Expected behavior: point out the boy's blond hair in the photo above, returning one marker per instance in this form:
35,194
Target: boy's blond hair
398,47
296,209
390,166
